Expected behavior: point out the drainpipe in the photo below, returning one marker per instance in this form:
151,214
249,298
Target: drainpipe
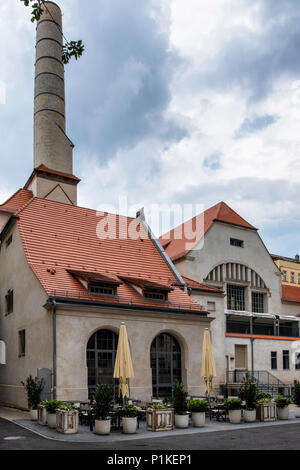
53,302
252,356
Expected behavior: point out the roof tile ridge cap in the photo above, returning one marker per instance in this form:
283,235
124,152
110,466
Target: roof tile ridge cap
25,205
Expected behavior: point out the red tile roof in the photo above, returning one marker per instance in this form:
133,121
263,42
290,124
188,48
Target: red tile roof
59,237
17,201
181,240
200,285
290,293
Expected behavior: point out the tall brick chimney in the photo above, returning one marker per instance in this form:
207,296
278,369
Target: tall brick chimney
52,177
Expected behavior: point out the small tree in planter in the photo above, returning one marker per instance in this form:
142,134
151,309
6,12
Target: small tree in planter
234,406
67,419
160,417
180,405
296,397
34,388
282,407
51,407
198,408
129,414
265,409
248,393
104,399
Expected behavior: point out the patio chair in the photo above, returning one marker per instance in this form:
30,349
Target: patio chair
84,411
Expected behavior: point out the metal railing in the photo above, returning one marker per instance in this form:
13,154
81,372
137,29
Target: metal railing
266,381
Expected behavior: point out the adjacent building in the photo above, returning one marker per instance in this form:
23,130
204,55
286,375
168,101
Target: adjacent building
256,326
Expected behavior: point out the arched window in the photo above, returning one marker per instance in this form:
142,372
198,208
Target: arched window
165,357
101,355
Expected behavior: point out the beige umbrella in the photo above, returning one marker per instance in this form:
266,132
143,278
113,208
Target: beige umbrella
123,365
208,371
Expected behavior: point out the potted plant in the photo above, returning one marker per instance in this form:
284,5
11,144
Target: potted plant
160,417
248,393
51,407
198,408
296,398
34,388
180,405
282,407
67,419
129,414
42,414
234,406
104,399
265,408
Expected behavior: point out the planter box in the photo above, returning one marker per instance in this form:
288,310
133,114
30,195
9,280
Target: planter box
42,415
266,412
160,420
67,421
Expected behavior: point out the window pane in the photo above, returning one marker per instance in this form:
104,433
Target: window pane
257,302
235,297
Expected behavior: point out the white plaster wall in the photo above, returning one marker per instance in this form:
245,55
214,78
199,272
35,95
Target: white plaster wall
28,314
74,328
217,329
262,356
216,249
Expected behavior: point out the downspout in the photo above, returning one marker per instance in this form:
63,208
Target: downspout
252,356
53,302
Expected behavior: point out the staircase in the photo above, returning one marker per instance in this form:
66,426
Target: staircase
266,382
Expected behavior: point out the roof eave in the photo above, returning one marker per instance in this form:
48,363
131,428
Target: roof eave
94,303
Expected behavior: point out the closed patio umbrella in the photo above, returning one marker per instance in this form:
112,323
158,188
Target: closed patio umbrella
208,371
123,365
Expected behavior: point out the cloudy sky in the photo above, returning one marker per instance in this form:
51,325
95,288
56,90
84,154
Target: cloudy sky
173,102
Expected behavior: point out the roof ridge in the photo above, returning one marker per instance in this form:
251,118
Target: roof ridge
13,195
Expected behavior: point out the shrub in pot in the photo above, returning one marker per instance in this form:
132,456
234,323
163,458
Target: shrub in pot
67,419
180,405
264,397
42,414
51,407
198,408
160,417
234,407
282,404
296,398
248,393
129,414
266,408
104,400
34,388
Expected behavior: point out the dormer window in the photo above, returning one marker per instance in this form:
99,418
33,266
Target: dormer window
149,289
155,294
96,283
99,288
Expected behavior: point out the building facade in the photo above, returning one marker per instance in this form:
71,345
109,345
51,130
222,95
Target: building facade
69,277
255,329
